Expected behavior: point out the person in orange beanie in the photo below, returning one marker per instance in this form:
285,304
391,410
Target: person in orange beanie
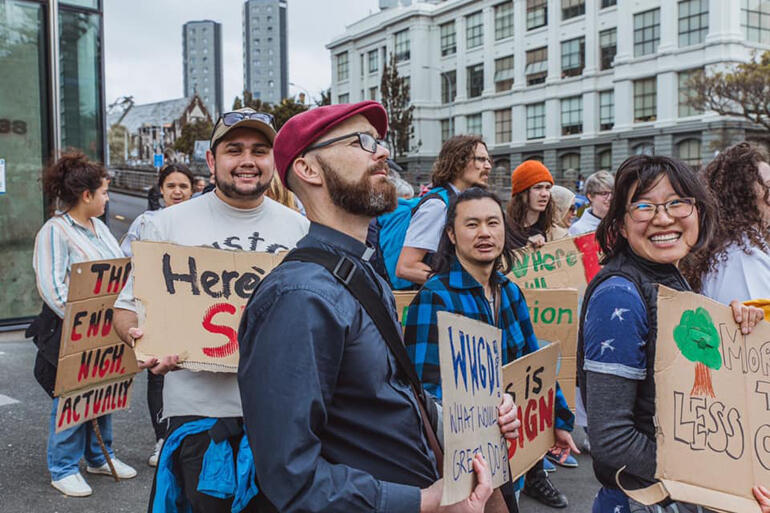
530,210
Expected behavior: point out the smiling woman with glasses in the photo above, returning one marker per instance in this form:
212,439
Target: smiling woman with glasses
658,214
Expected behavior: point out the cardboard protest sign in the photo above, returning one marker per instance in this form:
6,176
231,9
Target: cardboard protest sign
190,300
93,361
403,300
531,380
565,263
92,402
554,316
471,389
712,402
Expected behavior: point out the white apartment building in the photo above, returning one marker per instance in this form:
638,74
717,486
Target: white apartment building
202,58
265,51
578,84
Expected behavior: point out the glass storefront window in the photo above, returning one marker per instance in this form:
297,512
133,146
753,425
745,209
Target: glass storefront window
23,147
80,69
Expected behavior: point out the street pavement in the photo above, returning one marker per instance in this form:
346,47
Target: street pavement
25,415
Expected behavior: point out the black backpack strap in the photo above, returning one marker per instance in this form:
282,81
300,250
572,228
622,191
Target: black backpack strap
344,269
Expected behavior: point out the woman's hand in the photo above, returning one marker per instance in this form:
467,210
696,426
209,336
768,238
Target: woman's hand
746,316
537,241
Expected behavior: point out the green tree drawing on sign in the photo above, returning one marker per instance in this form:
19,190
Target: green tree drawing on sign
698,340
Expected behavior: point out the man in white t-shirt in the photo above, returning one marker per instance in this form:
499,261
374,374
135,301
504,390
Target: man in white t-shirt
238,216
599,193
463,162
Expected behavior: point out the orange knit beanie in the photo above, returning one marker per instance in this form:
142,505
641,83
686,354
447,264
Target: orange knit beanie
527,174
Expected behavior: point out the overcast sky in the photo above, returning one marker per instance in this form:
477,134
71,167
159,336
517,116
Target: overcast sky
143,44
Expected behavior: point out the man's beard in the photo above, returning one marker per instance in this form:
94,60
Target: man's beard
360,198
229,189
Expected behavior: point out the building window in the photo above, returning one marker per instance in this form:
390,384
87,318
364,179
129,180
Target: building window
474,30
604,158
646,32
504,73
755,20
537,65
447,129
503,126
475,80
343,71
609,3
343,98
373,93
448,86
572,115
537,13
645,148
503,20
401,45
573,57
608,47
645,99
570,162
685,92
374,63
693,22
606,110
473,124
536,121
689,152
448,39
572,8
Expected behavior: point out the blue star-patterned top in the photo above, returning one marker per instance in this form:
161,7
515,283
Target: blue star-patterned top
615,330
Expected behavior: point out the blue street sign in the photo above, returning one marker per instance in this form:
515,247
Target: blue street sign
158,162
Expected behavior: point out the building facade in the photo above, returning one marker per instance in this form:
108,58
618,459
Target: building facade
265,51
51,97
202,57
578,84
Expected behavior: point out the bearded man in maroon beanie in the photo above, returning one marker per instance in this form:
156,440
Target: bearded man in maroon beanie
334,420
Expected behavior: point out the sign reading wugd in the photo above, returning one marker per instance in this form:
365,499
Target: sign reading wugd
712,395
531,380
95,368
190,300
471,388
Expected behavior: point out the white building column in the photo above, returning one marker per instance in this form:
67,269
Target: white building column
552,120
668,97
591,38
462,71
519,126
669,31
590,114
624,104
724,21
488,15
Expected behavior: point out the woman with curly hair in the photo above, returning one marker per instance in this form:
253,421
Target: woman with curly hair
736,264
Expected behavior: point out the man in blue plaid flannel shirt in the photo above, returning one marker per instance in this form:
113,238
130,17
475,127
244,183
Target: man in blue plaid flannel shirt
468,281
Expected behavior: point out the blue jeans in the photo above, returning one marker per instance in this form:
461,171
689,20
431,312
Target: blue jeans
67,447
610,501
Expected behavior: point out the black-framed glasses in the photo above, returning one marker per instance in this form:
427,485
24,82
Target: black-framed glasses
678,208
231,118
603,194
366,141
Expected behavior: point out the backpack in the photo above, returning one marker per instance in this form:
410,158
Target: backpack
388,231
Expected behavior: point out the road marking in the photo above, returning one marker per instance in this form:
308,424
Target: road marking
5,400
119,217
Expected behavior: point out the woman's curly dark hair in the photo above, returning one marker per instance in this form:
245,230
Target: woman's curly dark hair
732,178
65,179
455,154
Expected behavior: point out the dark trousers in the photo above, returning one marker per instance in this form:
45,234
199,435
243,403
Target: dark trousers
155,404
537,471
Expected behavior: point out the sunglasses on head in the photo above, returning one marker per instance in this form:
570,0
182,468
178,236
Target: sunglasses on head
231,118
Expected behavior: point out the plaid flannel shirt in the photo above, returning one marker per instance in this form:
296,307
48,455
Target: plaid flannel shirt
458,292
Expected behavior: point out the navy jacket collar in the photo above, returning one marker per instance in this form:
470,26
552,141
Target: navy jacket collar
335,238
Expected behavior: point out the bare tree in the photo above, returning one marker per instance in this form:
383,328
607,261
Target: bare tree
742,92
396,99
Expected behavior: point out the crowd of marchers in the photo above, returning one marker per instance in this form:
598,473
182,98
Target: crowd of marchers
334,408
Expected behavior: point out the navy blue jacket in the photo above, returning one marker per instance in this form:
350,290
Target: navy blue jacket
331,425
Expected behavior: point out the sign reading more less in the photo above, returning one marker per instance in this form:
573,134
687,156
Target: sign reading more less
95,369
190,300
471,388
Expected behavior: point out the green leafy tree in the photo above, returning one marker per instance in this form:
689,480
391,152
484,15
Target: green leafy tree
249,101
195,131
698,340
285,110
396,99
742,92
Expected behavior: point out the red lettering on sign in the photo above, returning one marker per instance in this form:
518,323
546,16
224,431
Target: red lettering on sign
232,335
537,417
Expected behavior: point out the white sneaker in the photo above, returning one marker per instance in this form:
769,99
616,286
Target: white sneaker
73,486
124,471
153,460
